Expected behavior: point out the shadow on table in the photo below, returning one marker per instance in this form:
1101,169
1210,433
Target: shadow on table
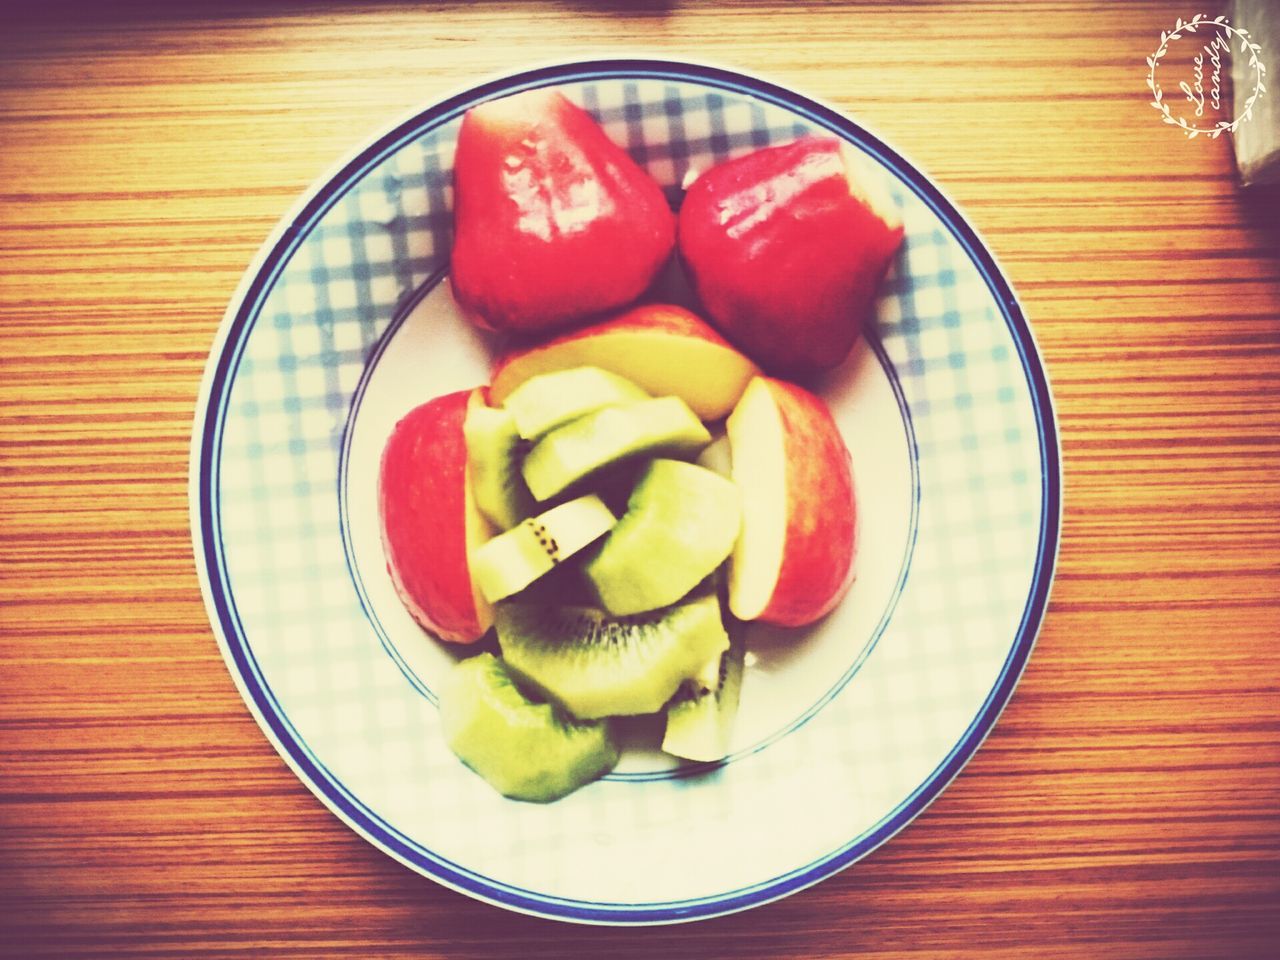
165,11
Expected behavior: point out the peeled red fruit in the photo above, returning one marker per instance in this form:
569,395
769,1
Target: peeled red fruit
553,221
430,520
786,247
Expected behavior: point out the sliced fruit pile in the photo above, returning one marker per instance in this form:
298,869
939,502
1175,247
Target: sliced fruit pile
621,495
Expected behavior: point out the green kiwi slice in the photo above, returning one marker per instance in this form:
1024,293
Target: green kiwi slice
681,523
700,721
550,400
583,448
494,452
525,749
596,665
511,561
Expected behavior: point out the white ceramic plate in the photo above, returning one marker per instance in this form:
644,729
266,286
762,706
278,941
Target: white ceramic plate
846,731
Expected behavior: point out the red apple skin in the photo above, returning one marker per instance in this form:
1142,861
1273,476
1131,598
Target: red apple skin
821,511
785,259
651,344
423,503
553,221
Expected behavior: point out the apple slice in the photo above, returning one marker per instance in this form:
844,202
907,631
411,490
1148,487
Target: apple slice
663,348
430,521
794,558
553,221
786,247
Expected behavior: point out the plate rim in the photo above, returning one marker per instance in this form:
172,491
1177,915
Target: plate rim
242,311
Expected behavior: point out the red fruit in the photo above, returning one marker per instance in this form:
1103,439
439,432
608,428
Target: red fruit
553,221
430,522
786,250
794,558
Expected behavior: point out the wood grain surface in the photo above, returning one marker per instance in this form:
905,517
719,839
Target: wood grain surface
1128,802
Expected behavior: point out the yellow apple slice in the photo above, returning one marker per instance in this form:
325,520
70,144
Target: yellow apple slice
664,349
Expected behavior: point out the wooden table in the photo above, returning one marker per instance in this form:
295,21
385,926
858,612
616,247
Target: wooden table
1128,803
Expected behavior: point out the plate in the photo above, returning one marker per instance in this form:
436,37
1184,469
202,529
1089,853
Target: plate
846,731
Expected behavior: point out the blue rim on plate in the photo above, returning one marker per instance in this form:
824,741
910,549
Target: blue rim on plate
207,531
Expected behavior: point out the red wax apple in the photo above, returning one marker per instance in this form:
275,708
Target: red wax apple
794,558
553,221
664,349
786,247
430,521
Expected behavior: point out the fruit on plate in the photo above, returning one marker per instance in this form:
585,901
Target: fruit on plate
700,722
512,560
681,523
586,446
553,221
430,520
493,462
785,248
595,665
526,750
794,558
664,349
550,400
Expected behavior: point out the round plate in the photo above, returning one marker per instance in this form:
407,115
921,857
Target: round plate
846,730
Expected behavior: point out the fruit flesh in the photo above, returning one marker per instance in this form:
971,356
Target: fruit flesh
526,750
493,464
429,520
553,220
699,725
665,349
550,400
758,467
597,666
511,561
580,449
681,523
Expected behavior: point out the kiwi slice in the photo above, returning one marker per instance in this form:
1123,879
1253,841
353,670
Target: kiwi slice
681,523
550,400
700,721
526,750
511,561
596,665
494,452
598,440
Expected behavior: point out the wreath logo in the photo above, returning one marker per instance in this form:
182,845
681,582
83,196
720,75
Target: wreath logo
1224,35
